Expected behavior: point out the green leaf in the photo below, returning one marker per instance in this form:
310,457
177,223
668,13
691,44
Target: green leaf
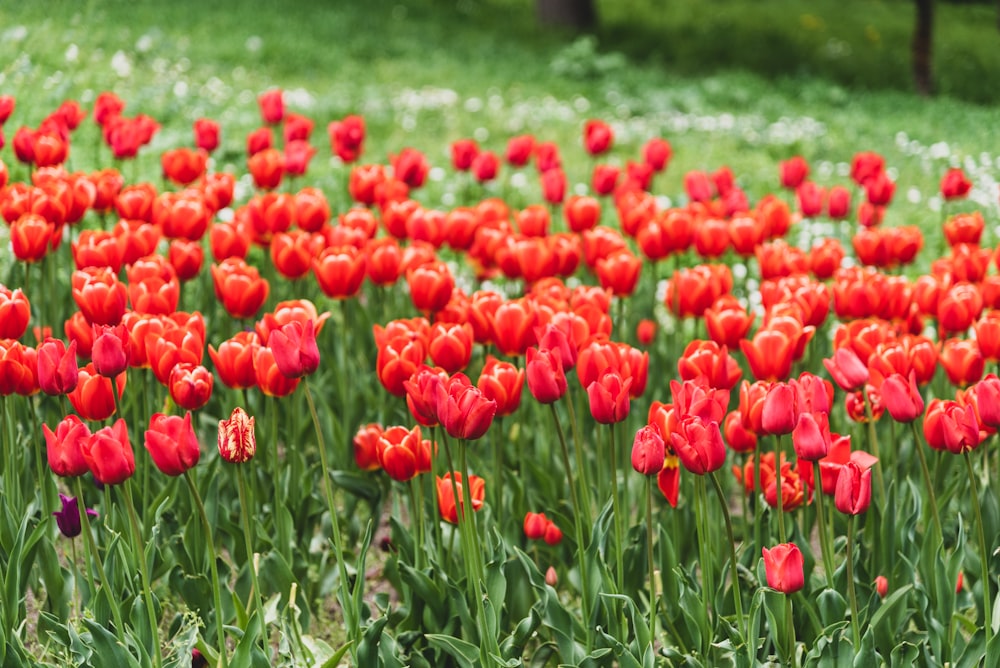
424,588
888,619
465,653
974,652
243,656
904,654
832,606
866,656
107,647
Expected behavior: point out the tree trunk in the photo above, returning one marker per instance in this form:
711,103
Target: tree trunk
922,42
577,14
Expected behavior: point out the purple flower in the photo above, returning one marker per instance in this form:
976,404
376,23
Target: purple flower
68,518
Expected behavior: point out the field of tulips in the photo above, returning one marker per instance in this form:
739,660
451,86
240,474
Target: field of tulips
522,406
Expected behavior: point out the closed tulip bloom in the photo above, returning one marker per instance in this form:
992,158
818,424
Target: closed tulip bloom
365,443
597,137
780,413
847,369
172,443
31,237
111,350
431,285
881,586
68,517
554,185
447,505
15,313
93,397
450,346
237,441
699,445
962,361
64,447
239,287
206,134
519,150
267,167
546,377
295,349
398,359
784,568
793,172
100,296
399,453
988,398
233,361
854,489
463,152
648,451
738,437
109,455
811,436
609,397
954,184
421,394
657,153
502,382
462,409
902,397
535,525
270,380
57,368
190,385
838,202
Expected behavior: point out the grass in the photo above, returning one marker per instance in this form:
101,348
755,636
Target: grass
426,73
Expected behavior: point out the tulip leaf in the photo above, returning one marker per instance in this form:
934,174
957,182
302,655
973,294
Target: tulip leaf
424,588
464,652
974,652
832,606
866,655
888,618
904,654
107,647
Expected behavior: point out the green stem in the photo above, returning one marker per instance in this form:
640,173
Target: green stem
791,630
577,525
984,555
616,504
417,512
578,453
90,546
704,554
855,622
498,446
147,591
245,512
873,443
213,567
653,598
917,445
734,571
777,484
824,536
350,618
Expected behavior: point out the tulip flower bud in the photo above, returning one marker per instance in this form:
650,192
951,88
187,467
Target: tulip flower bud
779,414
57,369
811,436
784,568
648,451
534,525
902,398
551,577
854,489
68,517
881,586
111,350
546,378
237,441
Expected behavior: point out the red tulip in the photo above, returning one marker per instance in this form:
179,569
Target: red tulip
15,313
657,152
951,426
172,443
502,382
239,287
780,413
190,386
447,505
206,134
902,398
65,447
793,172
954,184
109,455
847,369
237,441
811,437
534,525
597,137
365,450
783,566
462,409
111,350
648,451
699,445
93,397
546,377
400,453
57,368
295,350
270,380
609,397
272,106
854,489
